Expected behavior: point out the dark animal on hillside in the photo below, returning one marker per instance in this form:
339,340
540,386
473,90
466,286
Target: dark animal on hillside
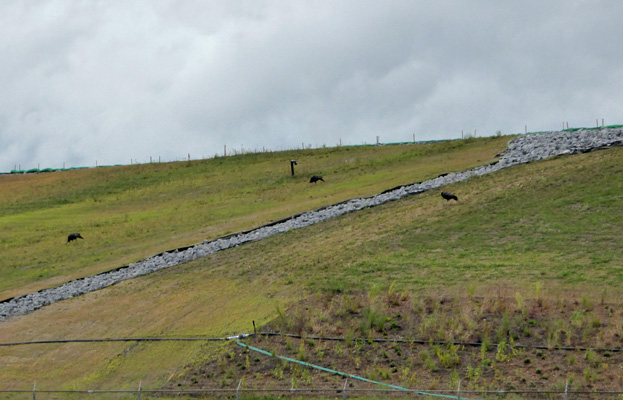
315,179
449,196
73,236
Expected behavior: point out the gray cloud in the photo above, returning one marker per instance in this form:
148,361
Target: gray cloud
82,82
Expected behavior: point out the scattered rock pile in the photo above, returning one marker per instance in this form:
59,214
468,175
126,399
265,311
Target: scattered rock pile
521,150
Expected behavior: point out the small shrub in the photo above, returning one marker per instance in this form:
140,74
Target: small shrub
587,303
591,357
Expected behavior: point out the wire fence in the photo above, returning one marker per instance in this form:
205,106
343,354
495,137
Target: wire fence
353,387
345,392
232,151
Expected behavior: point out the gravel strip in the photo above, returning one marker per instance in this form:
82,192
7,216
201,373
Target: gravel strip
522,149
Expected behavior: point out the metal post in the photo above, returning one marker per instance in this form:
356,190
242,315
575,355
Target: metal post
238,390
139,389
292,164
344,390
34,391
458,394
566,389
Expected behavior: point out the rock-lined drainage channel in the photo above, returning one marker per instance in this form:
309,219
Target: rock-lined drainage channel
523,149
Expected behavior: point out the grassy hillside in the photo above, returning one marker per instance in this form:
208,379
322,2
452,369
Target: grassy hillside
132,212
542,232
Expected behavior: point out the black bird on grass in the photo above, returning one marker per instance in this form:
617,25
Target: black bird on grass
449,196
315,179
73,236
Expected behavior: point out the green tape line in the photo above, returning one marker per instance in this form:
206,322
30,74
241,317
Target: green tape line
318,367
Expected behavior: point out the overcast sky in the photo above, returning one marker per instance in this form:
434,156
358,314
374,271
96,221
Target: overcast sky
119,81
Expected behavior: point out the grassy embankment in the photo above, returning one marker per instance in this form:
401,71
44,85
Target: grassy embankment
546,230
129,213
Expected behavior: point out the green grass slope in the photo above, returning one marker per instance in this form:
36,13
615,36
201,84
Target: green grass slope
552,225
132,212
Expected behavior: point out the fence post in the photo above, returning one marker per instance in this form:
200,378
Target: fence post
344,390
139,389
238,390
458,393
34,391
566,389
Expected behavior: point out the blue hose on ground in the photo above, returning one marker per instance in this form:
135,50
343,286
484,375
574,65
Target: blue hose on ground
318,367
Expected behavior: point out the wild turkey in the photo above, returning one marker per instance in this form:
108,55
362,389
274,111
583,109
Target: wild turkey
73,236
315,179
449,196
